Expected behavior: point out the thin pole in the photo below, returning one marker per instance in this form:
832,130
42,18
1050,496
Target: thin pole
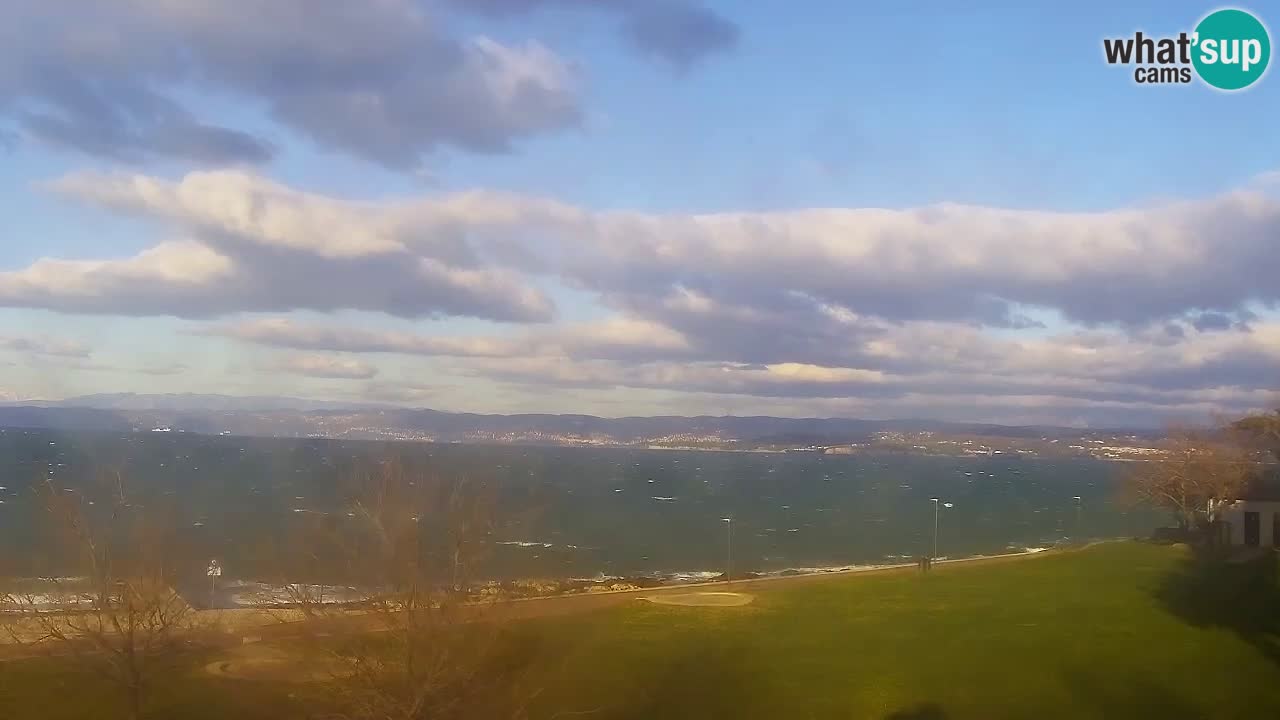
935,528
729,561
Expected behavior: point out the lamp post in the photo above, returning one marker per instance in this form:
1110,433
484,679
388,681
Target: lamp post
214,572
936,503
1079,502
728,566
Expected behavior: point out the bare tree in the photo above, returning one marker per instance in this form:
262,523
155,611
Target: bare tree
1198,472
112,606
392,601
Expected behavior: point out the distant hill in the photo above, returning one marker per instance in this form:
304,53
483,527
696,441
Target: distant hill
192,402
62,418
291,417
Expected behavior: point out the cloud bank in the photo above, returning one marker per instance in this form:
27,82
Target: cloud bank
382,80
1210,258
1150,310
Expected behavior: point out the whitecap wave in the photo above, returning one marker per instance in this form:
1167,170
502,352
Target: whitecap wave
691,575
822,570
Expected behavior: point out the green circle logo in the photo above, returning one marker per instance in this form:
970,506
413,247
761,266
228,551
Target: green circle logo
1231,49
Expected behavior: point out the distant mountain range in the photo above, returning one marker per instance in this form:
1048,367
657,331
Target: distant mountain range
290,417
191,402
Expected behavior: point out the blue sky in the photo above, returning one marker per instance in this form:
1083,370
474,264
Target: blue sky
997,113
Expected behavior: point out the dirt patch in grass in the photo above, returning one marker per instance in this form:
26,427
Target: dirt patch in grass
704,599
259,661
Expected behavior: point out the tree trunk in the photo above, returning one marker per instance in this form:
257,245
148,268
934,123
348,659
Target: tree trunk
134,686
135,701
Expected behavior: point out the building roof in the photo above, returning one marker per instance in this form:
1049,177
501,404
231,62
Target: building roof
1264,489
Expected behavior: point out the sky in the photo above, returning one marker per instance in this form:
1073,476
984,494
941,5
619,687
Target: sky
918,209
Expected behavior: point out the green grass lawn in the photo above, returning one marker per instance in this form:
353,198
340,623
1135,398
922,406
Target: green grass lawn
1125,630
59,690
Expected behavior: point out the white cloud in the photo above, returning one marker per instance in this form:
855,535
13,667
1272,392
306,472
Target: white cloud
284,333
44,345
679,32
241,205
263,247
324,366
157,281
616,337
255,209
84,365
189,279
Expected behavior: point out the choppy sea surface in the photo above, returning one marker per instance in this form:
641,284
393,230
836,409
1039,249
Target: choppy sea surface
590,512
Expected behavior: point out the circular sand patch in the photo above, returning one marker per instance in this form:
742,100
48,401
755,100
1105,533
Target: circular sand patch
704,599
255,662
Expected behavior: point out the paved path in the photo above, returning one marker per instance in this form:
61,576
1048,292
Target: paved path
269,625
556,605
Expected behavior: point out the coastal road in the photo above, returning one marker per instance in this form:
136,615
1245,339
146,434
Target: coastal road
238,626
556,605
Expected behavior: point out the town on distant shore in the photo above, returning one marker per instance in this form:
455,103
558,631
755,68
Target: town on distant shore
285,417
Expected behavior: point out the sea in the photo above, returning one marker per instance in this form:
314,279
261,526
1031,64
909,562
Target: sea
598,512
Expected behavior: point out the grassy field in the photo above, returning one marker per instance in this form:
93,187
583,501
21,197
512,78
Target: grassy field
1125,630
1121,630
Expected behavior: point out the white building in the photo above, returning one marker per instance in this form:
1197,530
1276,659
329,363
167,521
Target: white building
1254,520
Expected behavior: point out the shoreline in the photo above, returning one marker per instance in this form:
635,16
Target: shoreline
565,604
799,576
256,624
232,594
545,587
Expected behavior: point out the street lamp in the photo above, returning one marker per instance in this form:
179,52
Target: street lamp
1079,502
936,503
214,571
729,560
